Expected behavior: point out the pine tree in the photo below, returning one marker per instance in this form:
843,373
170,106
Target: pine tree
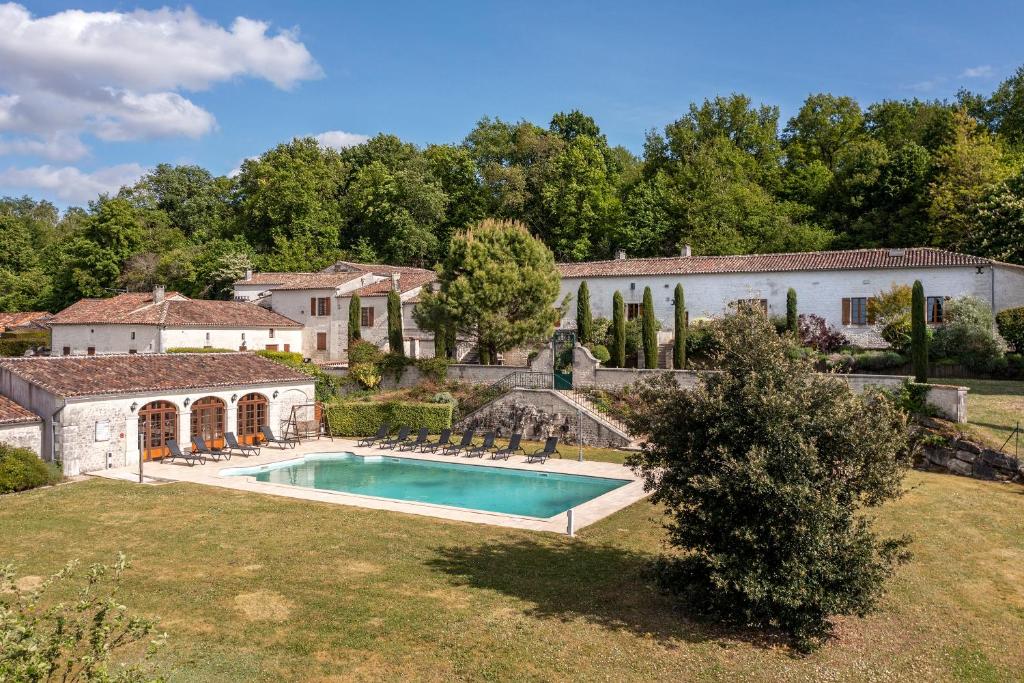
918,334
679,342
618,349
792,319
650,331
584,320
395,324
354,319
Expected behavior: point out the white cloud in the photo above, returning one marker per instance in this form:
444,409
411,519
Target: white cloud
339,139
58,147
69,183
983,71
117,75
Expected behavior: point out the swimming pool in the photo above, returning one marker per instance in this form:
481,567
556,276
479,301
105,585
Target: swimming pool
477,487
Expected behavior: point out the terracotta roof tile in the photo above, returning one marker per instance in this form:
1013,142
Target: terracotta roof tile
149,372
10,321
407,282
335,275
856,259
15,413
175,310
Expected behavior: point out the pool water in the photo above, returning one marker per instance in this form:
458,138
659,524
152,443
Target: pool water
494,489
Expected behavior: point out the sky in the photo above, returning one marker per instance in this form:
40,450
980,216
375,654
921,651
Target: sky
94,93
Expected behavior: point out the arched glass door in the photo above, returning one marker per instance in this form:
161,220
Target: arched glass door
252,414
158,422
208,421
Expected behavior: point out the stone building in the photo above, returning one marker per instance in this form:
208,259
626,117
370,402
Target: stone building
101,411
19,426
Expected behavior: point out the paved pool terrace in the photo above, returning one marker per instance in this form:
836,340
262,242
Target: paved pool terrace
210,474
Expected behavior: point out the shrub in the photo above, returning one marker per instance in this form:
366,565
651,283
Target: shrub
701,341
840,362
325,385
434,369
816,333
393,365
763,493
21,469
443,397
779,323
364,352
600,352
878,360
890,313
16,344
366,374
350,418
201,349
969,334
1011,327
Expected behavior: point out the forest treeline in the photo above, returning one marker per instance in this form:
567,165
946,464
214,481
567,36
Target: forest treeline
727,177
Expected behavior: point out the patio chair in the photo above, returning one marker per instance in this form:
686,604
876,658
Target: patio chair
541,455
212,453
397,439
382,433
512,447
243,448
269,438
478,451
421,438
189,457
455,448
443,440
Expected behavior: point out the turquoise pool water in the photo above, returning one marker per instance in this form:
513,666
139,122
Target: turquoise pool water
494,489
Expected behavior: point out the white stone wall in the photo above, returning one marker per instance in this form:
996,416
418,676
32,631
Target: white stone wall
818,292
294,304
254,339
105,339
23,435
151,339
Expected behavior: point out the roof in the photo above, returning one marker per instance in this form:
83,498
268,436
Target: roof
406,282
69,376
14,413
375,268
333,276
10,321
855,259
174,311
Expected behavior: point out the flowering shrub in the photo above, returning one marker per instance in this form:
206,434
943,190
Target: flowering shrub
819,335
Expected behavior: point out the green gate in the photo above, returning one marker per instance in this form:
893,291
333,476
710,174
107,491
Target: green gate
563,342
563,380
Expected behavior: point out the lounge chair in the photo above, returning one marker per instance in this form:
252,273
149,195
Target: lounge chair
382,433
212,453
269,438
397,439
478,451
189,457
421,438
442,441
512,447
550,448
243,448
455,448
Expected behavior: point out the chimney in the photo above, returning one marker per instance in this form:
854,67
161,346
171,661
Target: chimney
620,254
158,294
248,274
395,277
686,251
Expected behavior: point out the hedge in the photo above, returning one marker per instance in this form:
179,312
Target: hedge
21,469
351,418
197,349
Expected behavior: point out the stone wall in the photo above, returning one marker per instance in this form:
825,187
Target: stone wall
969,459
539,413
23,435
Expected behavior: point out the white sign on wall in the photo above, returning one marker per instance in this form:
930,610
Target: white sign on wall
103,430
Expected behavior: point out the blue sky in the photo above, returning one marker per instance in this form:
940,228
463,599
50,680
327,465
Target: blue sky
203,89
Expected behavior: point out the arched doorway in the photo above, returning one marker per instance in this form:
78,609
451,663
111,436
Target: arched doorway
252,414
158,422
208,421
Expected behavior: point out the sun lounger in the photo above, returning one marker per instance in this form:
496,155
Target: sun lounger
442,441
176,452
212,453
455,448
512,447
243,448
398,439
421,438
550,448
269,438
478,451
382,433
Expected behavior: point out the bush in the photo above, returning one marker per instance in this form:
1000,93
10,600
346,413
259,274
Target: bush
701,341
1011,327
366,374
600,352
878,360
969,335
433,369
816,333
364,352
443,397
21,469
350,418
16,344
201,349
779,323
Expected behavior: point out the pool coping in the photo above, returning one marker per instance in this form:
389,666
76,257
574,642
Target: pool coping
583,515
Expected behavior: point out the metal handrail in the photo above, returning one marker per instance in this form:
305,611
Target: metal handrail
522,379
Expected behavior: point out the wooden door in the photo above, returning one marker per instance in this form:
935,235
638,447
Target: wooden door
158,422
252,414
208,421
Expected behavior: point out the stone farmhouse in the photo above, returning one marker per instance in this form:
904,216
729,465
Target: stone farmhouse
320,302
153,322
95,412
835,285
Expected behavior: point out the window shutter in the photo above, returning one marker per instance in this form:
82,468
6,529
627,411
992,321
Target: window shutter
312,305
846,311
871,310
327,308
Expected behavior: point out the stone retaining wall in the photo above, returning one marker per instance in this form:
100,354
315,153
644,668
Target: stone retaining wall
968,459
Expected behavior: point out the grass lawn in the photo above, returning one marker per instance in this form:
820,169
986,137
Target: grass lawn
254,587
993,408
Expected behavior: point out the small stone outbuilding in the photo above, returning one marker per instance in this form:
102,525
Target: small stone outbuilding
19,426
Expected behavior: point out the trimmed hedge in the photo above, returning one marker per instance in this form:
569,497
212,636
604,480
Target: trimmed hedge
197,349
21,469
351,418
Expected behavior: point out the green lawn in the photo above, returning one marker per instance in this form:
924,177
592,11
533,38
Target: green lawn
993,408
254,587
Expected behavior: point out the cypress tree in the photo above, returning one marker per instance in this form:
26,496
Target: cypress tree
618,349
440,342
650,331
584,320
679,342
918,334
395,323
354,319
792,319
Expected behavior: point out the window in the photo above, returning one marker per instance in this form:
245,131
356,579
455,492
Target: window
933,308
132,351
321,341
207,338
633,311
366,317
271,333
857,311
133,336
91,351
319,306
271,347
287,347
66,351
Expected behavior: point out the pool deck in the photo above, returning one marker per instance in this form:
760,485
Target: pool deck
583,515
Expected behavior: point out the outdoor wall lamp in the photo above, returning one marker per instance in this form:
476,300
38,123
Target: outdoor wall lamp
276,393
234,397
133,407
186,402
